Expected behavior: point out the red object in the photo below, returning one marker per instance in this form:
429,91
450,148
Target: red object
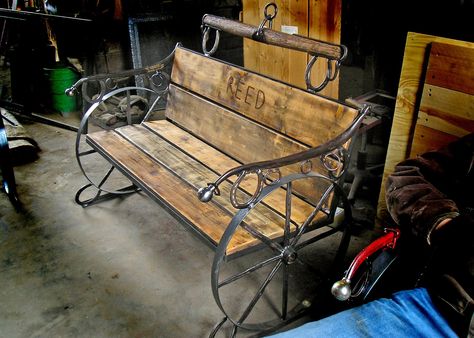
389,240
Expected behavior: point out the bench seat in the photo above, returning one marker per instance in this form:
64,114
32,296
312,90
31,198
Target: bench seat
170,164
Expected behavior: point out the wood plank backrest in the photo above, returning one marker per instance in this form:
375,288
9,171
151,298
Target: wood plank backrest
308,118
250,117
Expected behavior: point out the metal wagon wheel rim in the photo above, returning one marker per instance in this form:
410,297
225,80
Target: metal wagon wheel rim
283,255
99,183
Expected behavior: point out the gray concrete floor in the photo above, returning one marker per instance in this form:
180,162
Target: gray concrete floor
122,268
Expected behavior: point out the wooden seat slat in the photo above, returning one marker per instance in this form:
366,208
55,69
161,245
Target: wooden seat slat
220,163
167,184
195,173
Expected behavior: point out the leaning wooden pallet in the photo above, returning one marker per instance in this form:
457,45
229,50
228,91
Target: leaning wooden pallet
250,164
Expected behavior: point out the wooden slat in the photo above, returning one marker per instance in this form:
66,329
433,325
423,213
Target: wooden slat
220,163
405,115
446,112
236,136
208,218
197,175
437,101
308,118
451,67
427,139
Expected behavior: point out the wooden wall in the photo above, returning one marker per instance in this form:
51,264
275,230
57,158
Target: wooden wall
435,100
317,19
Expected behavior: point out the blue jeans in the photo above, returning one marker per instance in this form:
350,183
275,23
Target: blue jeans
408,313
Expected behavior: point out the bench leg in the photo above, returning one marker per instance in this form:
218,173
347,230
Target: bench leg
269,288
102,196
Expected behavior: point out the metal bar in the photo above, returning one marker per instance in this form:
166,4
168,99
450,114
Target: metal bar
284,291
14,14
312,215
260,292
262,238
249,270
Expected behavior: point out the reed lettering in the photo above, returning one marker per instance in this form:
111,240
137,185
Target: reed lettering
251,96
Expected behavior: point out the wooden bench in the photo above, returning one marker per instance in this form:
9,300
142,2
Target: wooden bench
245,161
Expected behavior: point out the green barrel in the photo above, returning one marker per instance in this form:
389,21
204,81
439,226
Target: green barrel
58,79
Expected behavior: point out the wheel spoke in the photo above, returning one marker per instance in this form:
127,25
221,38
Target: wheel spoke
286,239
310,218
260,292
284,295
249,270
264,239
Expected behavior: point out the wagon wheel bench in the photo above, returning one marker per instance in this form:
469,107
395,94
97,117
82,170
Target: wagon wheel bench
249,163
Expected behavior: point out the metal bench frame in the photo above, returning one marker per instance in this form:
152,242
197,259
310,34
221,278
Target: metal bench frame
333,155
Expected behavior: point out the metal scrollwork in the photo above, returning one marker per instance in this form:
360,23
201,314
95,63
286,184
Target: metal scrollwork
235,187
159,82
268,172
334,162
111,84
98,96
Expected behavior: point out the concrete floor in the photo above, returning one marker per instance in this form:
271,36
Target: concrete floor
122,268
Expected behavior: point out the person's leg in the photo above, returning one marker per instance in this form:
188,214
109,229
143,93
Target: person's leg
408,313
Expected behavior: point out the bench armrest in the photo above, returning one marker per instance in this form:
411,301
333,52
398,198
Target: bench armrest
324,151
109,81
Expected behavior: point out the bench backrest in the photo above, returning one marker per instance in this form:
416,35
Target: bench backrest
248,116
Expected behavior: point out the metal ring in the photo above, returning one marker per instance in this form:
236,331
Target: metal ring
159,82
268,172
205,38
326,163
275,11
306,166
86,96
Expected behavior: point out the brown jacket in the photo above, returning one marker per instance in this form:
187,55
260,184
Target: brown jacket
420,194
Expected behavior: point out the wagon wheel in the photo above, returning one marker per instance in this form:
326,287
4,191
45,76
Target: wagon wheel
118,108
268,288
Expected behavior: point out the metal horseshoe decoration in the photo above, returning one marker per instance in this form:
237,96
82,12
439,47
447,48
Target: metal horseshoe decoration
205,38
333,67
